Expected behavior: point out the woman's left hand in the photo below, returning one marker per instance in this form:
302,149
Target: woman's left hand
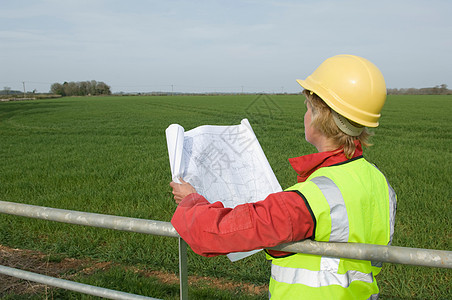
181,190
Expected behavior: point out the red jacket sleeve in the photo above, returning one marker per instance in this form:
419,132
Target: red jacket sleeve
212,229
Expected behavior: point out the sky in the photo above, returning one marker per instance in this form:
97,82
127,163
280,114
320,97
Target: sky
219,46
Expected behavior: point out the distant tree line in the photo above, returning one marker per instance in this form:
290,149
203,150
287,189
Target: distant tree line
81,88
437,90
7,91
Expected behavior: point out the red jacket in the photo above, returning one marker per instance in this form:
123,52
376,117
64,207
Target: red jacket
212,229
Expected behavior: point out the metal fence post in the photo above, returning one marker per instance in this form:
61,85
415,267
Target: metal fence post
183,273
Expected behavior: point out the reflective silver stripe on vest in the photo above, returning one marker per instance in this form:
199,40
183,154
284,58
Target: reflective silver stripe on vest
392,207
338,211
327,275
392,211
317,278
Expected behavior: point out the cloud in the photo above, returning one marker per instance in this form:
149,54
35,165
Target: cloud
231,43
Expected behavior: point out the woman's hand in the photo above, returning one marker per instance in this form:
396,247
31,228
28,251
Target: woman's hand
180,191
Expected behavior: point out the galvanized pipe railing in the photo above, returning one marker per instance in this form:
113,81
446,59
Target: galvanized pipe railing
377,253
95,220
390,254
89,219
71,285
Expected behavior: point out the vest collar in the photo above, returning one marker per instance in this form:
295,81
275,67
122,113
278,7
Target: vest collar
305,165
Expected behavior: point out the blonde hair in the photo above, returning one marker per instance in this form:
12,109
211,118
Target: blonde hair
322,120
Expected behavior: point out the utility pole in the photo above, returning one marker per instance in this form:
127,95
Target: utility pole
23,83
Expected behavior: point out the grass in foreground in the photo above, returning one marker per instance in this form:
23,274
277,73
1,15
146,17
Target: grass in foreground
108,155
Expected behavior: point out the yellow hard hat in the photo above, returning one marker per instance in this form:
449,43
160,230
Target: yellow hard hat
350,85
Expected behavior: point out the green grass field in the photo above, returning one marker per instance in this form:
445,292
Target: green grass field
108,155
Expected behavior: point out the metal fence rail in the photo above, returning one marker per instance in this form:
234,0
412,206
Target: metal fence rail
71,285
89,219
391,254
94,220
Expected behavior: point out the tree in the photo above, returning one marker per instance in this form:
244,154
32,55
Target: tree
82,88
58,89
436,90
102,89
71,88
92,87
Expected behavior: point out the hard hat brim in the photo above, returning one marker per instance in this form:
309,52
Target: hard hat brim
326,95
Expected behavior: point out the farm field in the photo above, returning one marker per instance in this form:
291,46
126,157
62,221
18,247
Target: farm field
108,155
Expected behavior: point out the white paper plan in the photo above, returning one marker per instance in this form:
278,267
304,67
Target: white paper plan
223,163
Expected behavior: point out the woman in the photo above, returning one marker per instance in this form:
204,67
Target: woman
339,197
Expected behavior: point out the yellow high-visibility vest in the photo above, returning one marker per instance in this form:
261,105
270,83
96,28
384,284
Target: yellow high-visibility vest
350,202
